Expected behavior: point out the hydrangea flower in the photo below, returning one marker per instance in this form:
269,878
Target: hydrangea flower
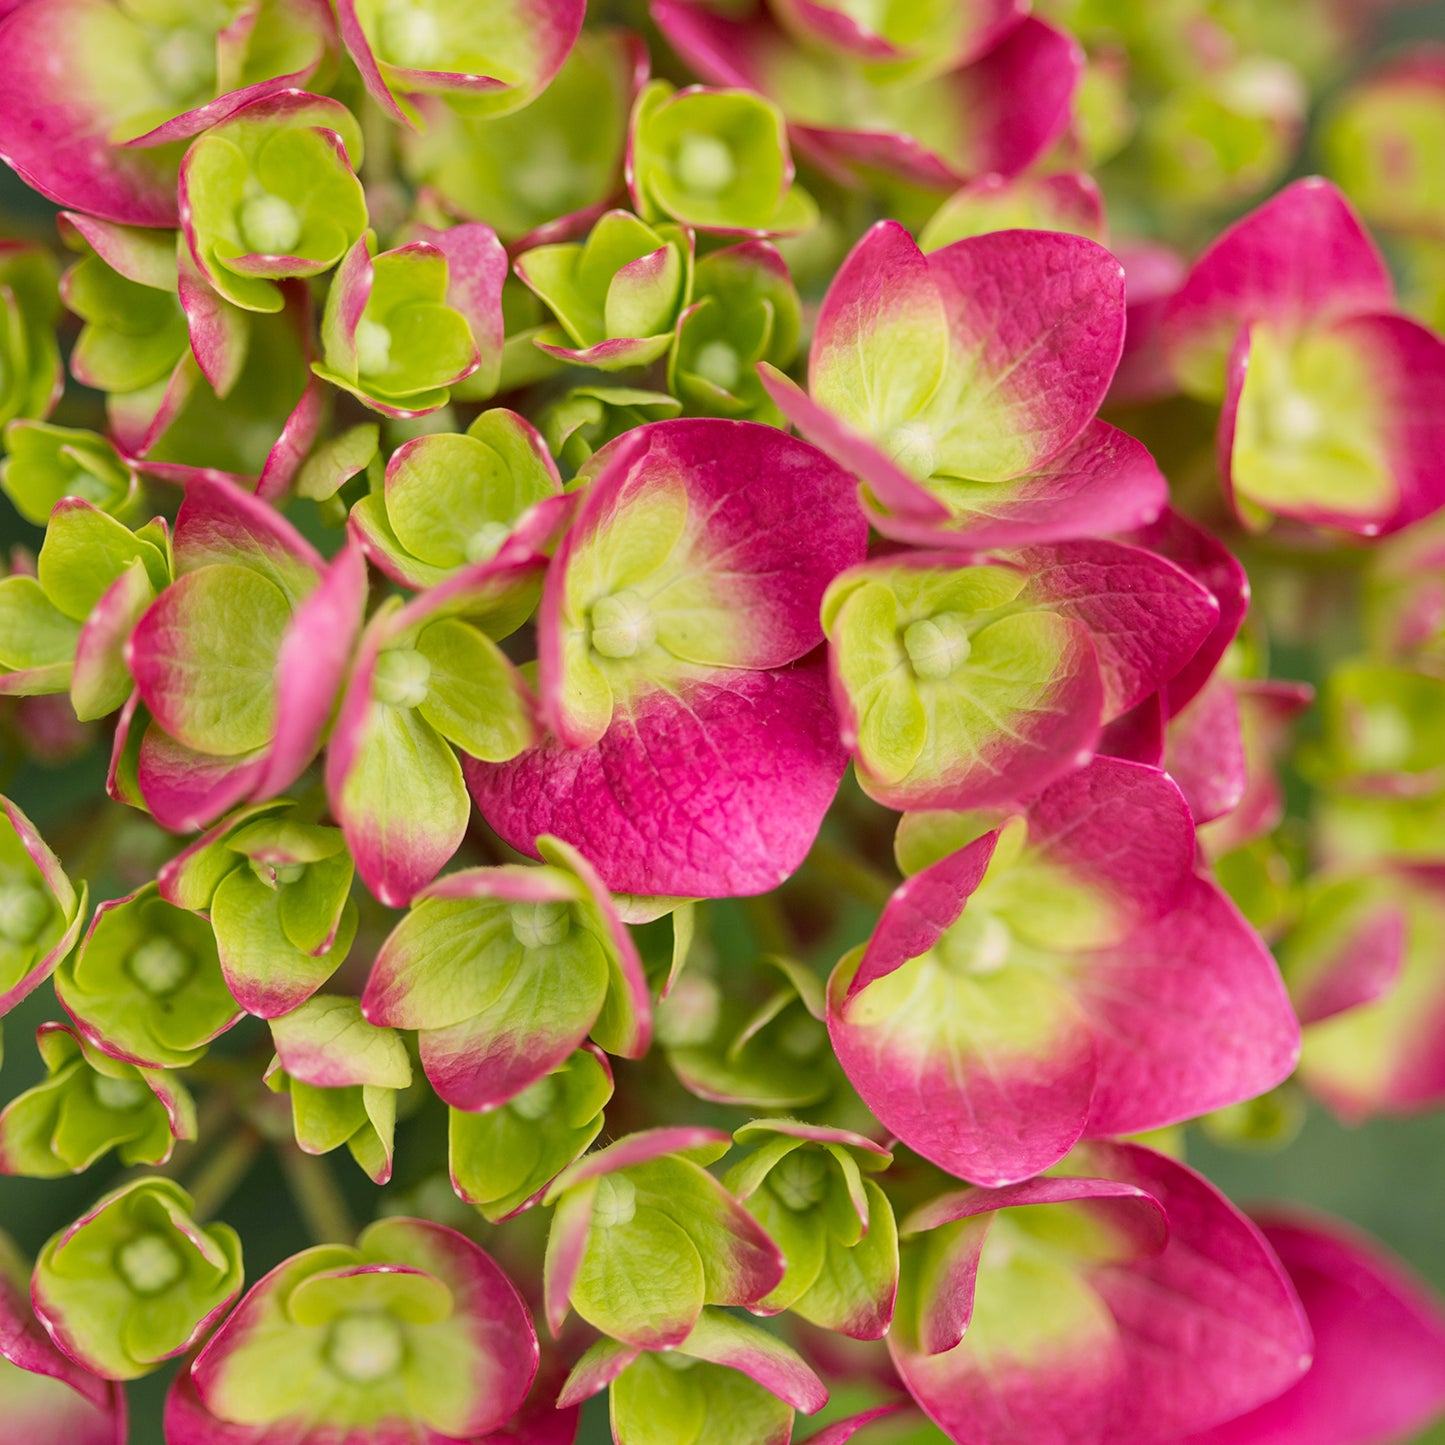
404,327
88,1104
1124,1298
486,59
45,1394
413,1332
277,892
237,714
967,685
30,375
716,160
428,675
549,167
643,1237
726,1375
672,625
1067,974
962,387
44,464
804,1184
146,985
586,418
617,295
448,501
1329,394
1363,969
41,913
503,1159
744,310
99,90
504,971
999,111
343,1075
135,1280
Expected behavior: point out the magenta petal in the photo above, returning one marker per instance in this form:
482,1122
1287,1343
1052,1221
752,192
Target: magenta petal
1137,736
841,1431
476,1068
221,522
298,435
1206,752
1379,1365
186,790
733,777
1232,1333
476,268
1152,274
1301,258
922,909
1103,482
1147,617
219,332
1190,1014
313,660
54,133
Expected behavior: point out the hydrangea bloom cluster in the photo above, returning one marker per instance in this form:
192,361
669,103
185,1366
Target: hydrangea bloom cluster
745,650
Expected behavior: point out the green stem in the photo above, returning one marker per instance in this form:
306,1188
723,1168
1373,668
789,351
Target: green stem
834,865
313,1187
224,1169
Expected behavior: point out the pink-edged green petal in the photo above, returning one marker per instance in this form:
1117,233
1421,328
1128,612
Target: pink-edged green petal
1146,616
1190,1014
184,790
219,522
1106,481
724,1339
735,773
1300,259
1067,201
49,912
100,681
1379,1356
988,1075
476,268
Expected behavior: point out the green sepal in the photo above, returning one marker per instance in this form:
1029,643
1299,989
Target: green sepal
134,333
588,417
35,636
502,1160
337,460
29,356
85,551
45,463
670,1399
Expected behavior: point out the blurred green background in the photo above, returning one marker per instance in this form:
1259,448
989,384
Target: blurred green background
1387,1177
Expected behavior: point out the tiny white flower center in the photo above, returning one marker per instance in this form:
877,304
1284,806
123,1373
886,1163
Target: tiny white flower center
24,911
411,35
615,1201
270,225
540,925
622,625
800,1179
718,363
149,1263
365,1347
537,1100
185,61
912,446
703,164
937,646
118,1094
373,347
979,943
1297,420
160,966
401,678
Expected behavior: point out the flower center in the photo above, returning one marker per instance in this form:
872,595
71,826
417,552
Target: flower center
911,445
703,164
160,966
718,363
117,1094
979,943
24,909
411,35
615,1201
365,1347
800,1179
537,1100
484,542
149,1263
185,61
1297,421
270,225
937,646
540,925
373,347
401,678
622,625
